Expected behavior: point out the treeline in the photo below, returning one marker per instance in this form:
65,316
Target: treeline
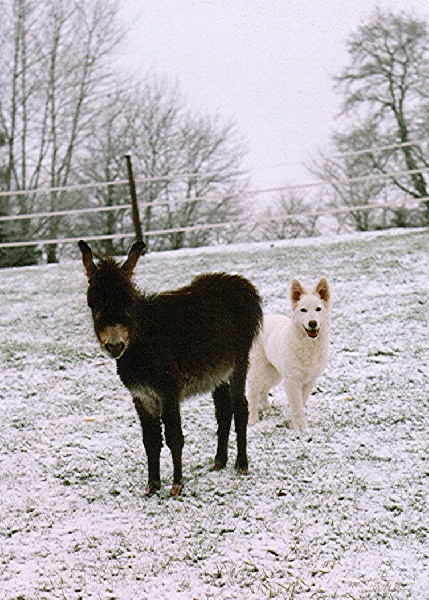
67,117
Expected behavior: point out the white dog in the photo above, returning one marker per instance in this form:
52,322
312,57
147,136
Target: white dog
293,350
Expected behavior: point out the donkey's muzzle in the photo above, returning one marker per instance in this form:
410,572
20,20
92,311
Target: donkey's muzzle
114,339
115,350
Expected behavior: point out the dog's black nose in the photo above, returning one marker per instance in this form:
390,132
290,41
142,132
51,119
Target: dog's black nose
312,324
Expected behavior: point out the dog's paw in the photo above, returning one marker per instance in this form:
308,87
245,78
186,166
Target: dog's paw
297,425
253,419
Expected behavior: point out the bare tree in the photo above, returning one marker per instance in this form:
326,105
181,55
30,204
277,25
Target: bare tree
352,186
140,119
58,54
386,90
213,182
55,78
186,166
22,56
154,113
289,215
103,160
81,39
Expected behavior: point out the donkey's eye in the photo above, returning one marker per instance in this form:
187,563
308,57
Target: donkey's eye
303,310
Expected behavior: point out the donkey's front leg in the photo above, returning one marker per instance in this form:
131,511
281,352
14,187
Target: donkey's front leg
174,440
152,441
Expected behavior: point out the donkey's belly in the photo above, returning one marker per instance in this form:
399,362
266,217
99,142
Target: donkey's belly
205,382
151,400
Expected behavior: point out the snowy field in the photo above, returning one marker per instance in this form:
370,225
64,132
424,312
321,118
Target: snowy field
339,511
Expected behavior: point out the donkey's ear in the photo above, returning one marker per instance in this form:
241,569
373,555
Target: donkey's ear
322,289
133,255
296,291
87,259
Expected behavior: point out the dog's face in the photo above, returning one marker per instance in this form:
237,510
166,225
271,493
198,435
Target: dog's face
311,310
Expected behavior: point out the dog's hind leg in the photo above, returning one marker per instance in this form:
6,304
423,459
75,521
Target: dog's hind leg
255,374
257,393
253,400
271,378
261,377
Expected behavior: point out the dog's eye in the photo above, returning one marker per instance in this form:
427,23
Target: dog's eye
303,310
318,309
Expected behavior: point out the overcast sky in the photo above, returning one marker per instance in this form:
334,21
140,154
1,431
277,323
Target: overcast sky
268,64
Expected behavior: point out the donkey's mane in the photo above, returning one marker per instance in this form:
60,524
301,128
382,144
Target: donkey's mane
110,267
108,261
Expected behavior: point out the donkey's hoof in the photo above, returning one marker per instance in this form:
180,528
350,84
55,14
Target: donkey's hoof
242,471
152,487
241,467
218,464
176,489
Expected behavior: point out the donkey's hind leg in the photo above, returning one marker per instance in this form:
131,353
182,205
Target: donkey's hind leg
223,411
241,413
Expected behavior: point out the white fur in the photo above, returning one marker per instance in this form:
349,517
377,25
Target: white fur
285,351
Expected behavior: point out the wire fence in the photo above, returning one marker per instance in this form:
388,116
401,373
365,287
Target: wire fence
407,202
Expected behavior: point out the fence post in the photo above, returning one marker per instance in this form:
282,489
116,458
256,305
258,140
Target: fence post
134,204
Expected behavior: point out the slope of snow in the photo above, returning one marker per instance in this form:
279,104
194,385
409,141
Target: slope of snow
339,511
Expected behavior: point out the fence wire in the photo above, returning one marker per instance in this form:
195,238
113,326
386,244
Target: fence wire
409,203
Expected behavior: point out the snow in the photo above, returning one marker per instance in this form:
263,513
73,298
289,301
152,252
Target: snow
339,511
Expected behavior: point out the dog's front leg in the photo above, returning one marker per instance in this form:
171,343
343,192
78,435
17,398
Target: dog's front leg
306,391
294,393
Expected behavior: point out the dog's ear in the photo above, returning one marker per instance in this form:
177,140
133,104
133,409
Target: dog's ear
322,289
137,249
296,291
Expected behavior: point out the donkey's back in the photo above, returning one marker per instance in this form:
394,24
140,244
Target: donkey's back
219,311
199,333
233,297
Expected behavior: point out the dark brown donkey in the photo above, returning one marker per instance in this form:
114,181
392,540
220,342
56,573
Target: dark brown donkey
175,344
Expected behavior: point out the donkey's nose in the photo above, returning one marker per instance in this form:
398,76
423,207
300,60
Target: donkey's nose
312,324
115,350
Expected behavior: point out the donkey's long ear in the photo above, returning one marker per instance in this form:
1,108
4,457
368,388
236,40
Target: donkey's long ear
296,291
133,255
87,259
322,289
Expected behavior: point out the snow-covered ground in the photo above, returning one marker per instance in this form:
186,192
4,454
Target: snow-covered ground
339,511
